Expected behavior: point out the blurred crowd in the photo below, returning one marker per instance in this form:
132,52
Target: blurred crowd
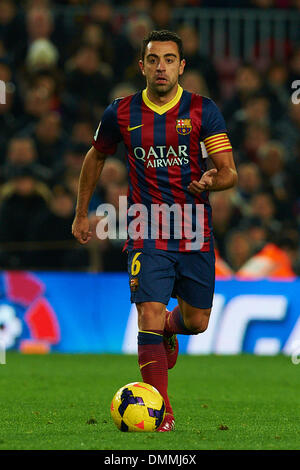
61,71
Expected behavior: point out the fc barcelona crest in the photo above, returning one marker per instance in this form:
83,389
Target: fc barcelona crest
134,284
184,126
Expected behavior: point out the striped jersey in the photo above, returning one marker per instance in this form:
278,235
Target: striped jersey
166,149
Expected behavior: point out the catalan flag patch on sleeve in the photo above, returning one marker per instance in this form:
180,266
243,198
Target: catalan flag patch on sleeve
217,143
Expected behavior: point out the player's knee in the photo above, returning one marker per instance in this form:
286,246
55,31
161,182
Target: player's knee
197,328
198,323
150,316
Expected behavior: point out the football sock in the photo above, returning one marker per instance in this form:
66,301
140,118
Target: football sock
174,324
153,362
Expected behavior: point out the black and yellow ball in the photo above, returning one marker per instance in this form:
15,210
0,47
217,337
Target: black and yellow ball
137,407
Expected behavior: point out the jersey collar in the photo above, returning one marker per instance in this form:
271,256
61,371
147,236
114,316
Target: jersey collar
162,109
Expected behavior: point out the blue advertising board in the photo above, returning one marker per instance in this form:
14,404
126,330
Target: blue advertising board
91,313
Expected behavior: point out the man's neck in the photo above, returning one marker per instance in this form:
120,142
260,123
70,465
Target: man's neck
161,100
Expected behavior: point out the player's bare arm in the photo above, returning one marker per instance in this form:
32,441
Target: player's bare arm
223,176
90,173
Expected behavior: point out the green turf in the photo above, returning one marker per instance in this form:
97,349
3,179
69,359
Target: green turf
234,402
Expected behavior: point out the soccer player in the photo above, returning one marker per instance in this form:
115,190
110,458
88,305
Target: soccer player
167,132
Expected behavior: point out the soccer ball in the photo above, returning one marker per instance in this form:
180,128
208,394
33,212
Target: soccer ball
137,407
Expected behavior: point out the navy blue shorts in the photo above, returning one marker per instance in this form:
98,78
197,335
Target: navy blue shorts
157,275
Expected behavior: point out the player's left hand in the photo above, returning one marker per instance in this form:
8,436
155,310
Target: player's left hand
205,183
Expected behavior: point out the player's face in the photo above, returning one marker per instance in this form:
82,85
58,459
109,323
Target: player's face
162,66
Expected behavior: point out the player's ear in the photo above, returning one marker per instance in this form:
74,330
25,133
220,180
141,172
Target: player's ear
181,66
141,65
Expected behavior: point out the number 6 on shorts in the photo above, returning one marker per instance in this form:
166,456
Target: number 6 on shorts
136,265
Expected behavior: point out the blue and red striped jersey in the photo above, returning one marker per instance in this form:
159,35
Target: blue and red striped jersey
165,151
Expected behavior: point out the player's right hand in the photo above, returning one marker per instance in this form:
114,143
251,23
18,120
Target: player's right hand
205,183
81,229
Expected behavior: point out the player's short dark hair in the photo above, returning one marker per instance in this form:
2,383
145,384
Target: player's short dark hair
163,35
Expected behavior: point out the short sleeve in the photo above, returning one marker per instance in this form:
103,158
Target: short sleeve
214,132
212,119
108,135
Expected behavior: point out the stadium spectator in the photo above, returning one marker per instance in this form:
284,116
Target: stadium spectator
127,53
248,80
71,181
23,197
263,207
273,261
249,183
238,249
140,6
256,231
5,71
51,228
50,80
277,83
293,168
29,4
194,82
86,81
39,24
288,129
113,173
22,153
51,83
256,135
271,161
101,12
225,217
83,131
254,110
161,14
50,140
41,54
12,28
195,60
122,89
37,102
94,35
8,120
294,64
7,14
72,160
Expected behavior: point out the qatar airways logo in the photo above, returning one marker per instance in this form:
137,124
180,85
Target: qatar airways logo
161,156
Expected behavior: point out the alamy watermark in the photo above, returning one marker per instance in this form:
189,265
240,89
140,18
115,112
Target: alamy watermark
2,353
296,94
2,92
158,221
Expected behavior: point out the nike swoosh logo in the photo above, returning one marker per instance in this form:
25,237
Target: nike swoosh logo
147,363
132,128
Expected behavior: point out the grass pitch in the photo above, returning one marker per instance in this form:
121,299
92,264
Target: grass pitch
233,402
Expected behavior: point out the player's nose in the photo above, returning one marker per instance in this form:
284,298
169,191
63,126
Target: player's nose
161,65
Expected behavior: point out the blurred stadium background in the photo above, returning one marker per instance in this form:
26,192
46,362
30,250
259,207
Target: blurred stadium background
63,62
